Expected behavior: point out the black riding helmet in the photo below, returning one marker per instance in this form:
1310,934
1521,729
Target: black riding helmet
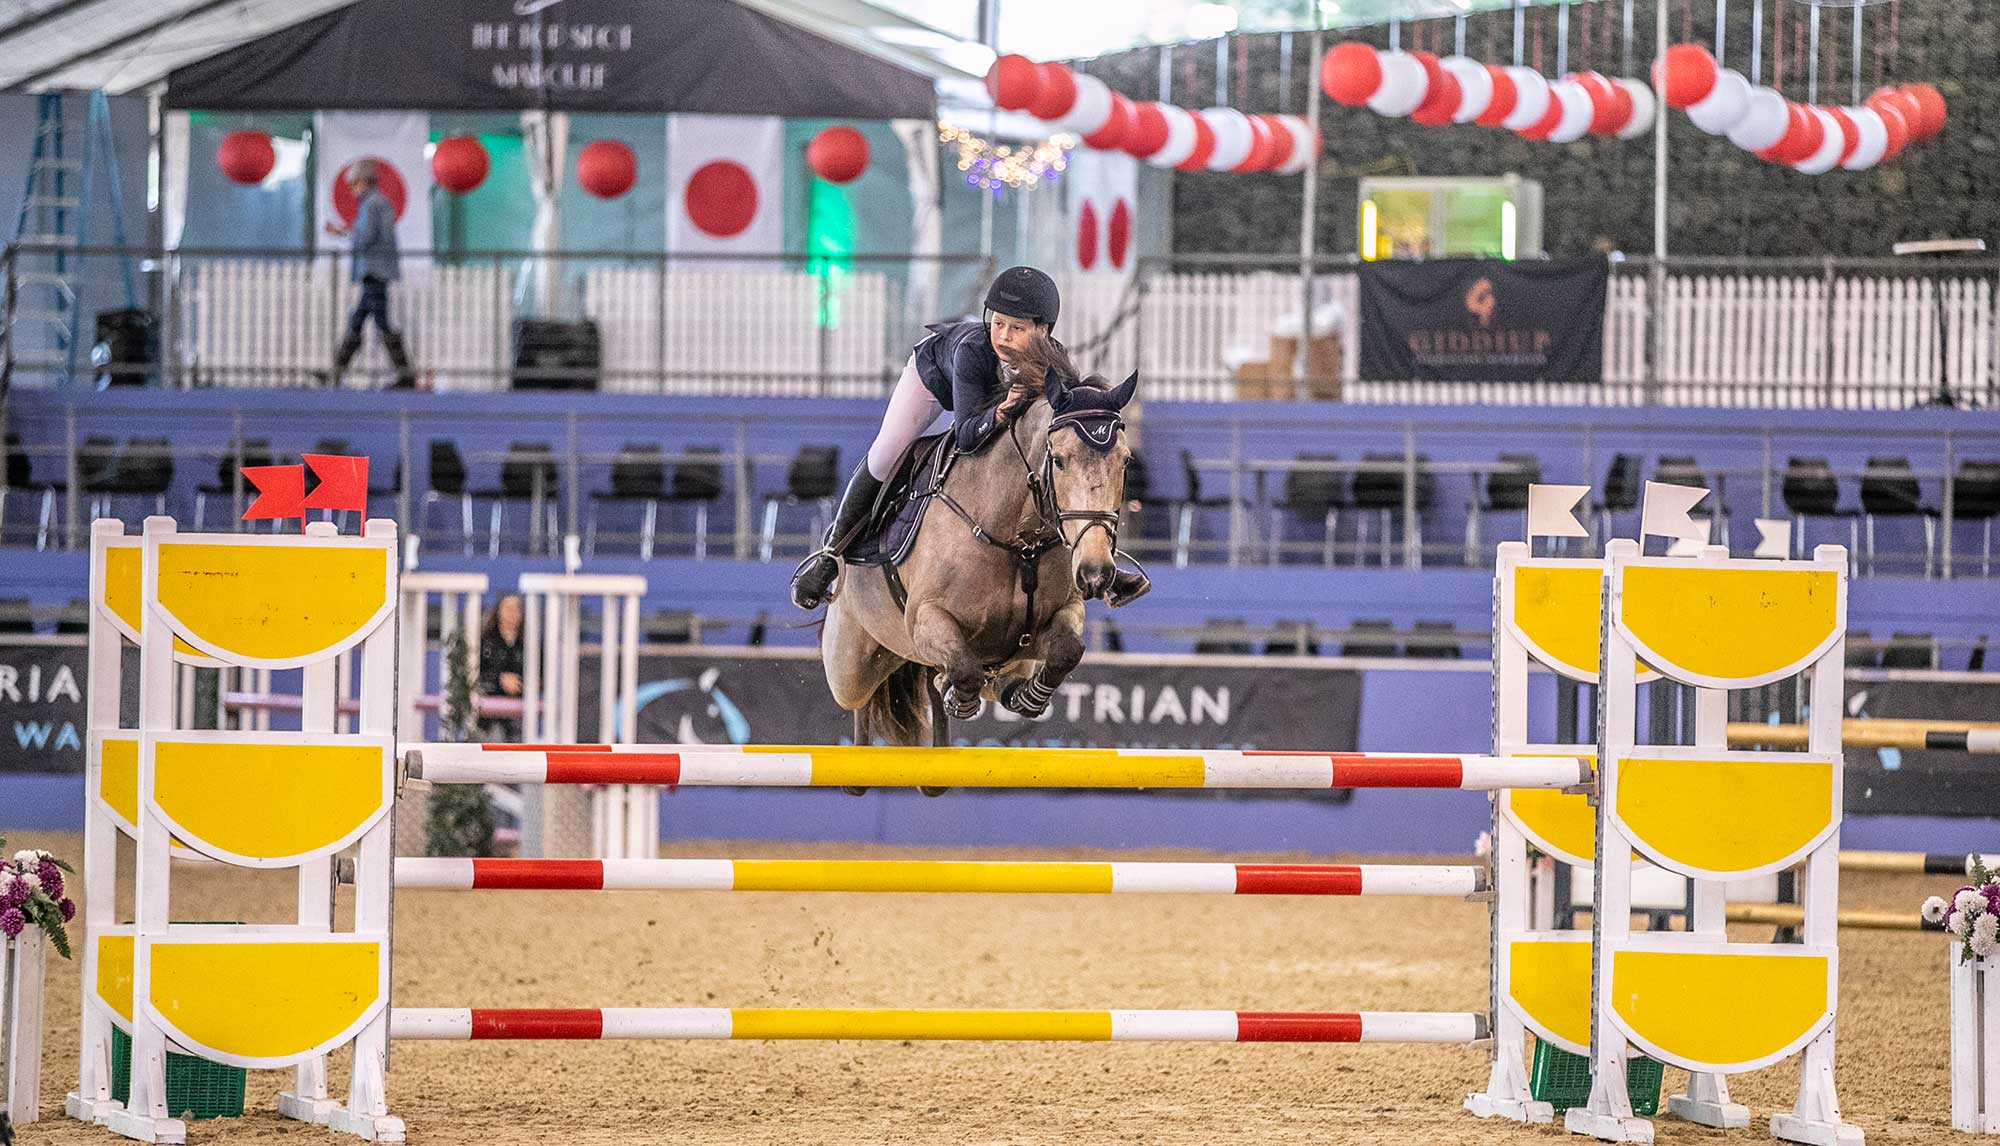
1025,293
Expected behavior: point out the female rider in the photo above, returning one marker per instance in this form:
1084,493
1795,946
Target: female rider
955,368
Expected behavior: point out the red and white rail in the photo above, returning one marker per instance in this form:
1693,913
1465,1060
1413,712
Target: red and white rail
452,1023
951,876
703,765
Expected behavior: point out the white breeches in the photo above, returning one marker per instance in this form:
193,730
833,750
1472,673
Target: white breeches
911,411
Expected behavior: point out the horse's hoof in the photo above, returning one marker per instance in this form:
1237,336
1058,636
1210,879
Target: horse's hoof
1016,698
933,791
853,791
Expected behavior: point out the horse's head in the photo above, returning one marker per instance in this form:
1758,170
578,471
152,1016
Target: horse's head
1085,473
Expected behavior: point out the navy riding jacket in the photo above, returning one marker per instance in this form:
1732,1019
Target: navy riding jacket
957,364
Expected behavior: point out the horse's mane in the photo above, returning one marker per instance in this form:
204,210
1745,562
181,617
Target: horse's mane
1040,362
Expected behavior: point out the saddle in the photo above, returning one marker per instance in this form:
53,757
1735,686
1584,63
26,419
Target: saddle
899,509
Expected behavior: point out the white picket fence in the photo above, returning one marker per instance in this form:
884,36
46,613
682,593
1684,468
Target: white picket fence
1731,339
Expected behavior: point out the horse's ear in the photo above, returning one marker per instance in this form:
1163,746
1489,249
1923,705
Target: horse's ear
1059,394
1124,391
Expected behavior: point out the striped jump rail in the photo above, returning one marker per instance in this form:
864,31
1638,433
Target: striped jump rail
1915,863
1968,737
1001,877
455,1023
847,766
1792,915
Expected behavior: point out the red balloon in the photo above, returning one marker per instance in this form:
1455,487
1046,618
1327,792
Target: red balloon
1281,145
1350,73
1433,71
606,168
838,154
1621,109
1057,94
1013,82
1894,125
1441,102
1149,130
246,156
1086,236
1502,104
1118,234
1604,119
1259,156
459,164
1118,126
1690,75
388,180
1850,136
1930,109
1802,137
1204,146
1551,119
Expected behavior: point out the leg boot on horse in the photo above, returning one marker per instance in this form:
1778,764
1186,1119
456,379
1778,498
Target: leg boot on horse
814,576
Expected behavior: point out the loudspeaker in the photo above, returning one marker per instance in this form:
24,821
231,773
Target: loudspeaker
127,347
550,355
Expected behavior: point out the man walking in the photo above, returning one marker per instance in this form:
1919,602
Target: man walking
375,264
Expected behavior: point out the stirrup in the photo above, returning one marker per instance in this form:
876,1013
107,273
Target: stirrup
825,592
1117,600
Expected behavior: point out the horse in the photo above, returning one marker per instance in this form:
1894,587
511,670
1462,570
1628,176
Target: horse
1018,536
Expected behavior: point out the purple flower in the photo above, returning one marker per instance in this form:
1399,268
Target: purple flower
52,881
1992,893
68,909
12,922
12,893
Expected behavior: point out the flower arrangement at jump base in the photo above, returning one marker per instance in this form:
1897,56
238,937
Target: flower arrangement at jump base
31,895
1972,914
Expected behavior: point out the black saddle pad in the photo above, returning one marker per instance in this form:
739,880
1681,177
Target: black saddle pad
899,511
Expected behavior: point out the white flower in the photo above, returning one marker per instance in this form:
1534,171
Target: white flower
1955,924
1986,926
1984,945
1934,909
1968,900
26,857
43,855
1483,846
31,880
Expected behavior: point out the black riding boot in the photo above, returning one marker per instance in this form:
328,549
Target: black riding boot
814,576
1127,586
406,375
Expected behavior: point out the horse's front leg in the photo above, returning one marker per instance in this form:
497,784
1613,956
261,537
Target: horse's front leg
1060,649
939,640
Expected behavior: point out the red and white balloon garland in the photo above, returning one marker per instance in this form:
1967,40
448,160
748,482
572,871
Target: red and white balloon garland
1458,89
1809,138
1209,139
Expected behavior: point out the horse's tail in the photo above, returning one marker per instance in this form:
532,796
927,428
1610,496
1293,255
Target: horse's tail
899,712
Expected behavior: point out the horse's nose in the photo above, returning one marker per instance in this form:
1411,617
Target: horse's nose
1094,580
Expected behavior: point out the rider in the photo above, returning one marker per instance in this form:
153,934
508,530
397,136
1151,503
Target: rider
956,368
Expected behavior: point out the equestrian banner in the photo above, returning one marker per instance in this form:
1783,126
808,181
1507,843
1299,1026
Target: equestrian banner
42,714
1906,782
742,699
1483,320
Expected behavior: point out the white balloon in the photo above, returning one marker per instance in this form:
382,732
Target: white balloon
1180,137
1576,111
1475,86
1873,136
1091,110
1405,83
1531,99
1233,136
1723,107
1764,121
1830,146
1305,145
1643,109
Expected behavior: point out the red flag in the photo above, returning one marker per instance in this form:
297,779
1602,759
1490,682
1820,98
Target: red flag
343,482
281,492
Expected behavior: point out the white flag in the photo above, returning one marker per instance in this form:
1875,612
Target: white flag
1774,538
395,140
1552,511
725,185
1666,512
1690,546
1103,199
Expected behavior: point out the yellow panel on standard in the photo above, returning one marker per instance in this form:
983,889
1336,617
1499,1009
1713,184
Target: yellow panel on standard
1722,1011
114,973
268,1002
1725,817
1548,983
121,596
1730,626
275,605
269,803
1556,612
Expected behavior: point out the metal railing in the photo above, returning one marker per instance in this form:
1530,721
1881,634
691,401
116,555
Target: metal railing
1783,333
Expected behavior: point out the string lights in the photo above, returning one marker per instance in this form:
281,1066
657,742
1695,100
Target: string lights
998,166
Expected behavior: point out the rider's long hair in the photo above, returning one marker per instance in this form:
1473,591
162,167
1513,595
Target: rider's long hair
1037,364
